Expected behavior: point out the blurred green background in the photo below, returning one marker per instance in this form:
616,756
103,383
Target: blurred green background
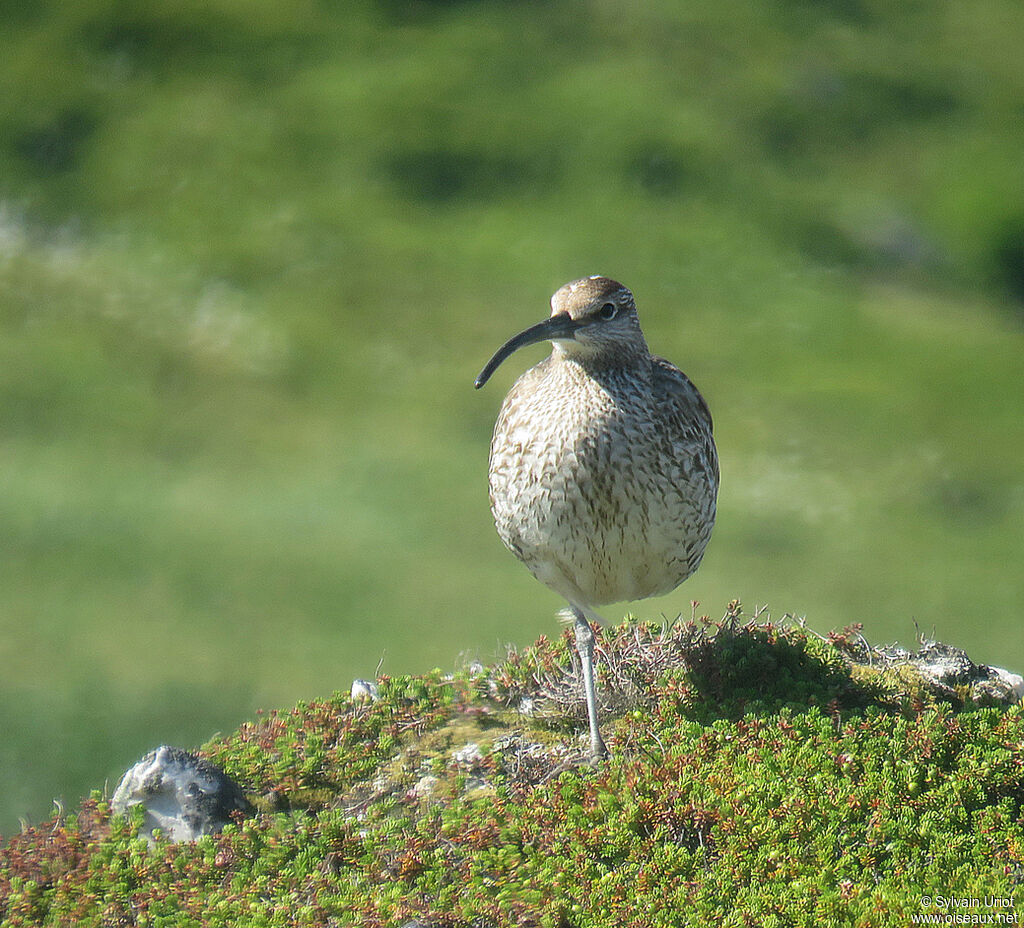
253,253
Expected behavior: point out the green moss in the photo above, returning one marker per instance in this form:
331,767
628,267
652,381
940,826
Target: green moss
757,778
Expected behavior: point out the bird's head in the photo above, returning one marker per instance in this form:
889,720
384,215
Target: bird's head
592,320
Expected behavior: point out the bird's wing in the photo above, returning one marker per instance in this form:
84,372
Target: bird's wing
674,388
687,411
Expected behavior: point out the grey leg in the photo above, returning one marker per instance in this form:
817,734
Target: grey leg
585,646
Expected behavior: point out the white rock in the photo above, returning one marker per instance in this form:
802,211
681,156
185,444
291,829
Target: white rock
424,786
1014,681
364,691
185,796
469,756
527,706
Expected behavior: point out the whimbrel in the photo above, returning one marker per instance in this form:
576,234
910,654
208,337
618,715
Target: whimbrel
603,468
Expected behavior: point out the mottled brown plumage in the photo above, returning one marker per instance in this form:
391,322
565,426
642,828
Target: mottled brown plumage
603,468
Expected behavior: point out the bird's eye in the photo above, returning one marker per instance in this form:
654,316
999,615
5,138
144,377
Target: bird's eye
608,311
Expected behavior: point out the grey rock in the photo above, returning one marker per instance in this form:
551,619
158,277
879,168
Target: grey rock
1002,686
946,668
185,796
950,673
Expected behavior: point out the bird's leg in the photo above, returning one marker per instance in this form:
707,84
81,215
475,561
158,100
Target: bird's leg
585,646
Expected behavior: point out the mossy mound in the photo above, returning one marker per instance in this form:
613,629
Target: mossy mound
760,776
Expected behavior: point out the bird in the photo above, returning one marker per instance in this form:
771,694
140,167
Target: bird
603,471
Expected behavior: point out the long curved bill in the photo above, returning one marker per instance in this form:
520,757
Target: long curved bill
559,326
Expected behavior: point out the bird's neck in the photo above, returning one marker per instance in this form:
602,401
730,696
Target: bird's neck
604,367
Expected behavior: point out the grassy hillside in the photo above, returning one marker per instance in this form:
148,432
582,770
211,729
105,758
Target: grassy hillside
252,255
757,777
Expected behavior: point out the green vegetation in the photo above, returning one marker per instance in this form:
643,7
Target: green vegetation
253,254
755,780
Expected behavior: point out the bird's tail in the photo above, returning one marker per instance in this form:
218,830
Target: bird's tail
568,615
